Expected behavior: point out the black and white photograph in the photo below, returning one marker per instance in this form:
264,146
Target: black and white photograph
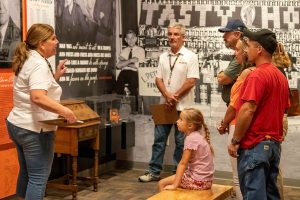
86,32
10,29
84,21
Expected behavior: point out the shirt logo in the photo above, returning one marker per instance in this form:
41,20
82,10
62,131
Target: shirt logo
266,147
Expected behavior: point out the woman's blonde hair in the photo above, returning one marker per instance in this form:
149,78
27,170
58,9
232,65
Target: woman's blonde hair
246,64
37,33
280,57
195,117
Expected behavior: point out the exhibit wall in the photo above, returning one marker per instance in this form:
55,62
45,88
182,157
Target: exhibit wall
93,38
86,37
8,156
202,19
12,19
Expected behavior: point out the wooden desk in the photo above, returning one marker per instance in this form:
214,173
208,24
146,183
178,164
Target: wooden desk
66,142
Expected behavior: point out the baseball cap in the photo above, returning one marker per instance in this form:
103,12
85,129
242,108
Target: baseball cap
265,37
233,25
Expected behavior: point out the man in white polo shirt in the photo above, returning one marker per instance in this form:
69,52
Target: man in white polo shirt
177,73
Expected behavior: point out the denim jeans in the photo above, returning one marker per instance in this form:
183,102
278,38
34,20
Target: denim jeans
236,184
161,134
35,156
258,171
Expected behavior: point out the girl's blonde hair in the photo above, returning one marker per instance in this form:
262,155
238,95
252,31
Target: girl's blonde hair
195,117
37,33
280,57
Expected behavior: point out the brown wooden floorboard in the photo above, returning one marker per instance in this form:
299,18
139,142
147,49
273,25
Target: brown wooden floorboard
124,185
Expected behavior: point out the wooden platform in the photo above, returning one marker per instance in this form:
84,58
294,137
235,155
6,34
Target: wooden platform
217,192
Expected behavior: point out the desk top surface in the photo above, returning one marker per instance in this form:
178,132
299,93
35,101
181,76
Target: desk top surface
85,124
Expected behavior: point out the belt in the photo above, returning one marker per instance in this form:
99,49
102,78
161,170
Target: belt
268,137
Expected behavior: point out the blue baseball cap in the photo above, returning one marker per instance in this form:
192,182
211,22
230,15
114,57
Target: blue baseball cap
233,25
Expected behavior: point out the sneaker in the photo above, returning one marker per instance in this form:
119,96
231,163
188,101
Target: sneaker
147,177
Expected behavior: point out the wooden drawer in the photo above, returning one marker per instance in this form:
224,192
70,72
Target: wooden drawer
88,132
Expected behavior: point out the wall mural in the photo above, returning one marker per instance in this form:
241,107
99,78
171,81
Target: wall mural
202,19
86,31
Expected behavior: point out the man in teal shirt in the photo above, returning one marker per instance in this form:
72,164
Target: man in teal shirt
232,33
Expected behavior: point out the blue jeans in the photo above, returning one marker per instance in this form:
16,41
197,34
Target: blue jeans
258,169
35,155
161,134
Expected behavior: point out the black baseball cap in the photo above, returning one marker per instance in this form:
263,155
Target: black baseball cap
265,37
233,25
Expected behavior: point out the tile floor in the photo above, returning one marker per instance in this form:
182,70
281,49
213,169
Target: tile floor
123,185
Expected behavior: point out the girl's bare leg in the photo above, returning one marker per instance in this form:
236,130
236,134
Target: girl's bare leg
166,181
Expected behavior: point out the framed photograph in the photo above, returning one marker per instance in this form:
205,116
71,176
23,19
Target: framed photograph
10,30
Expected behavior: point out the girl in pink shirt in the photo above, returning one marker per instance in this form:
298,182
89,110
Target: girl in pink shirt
196,168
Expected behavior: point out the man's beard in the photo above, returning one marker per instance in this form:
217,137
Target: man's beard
227,45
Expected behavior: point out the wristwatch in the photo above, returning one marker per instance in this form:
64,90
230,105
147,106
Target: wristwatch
234,141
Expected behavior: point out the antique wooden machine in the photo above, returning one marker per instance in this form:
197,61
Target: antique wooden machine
67,139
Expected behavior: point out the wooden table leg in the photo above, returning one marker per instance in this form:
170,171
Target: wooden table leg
95,179
68,157
74,180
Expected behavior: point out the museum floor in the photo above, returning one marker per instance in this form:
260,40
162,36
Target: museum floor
123,185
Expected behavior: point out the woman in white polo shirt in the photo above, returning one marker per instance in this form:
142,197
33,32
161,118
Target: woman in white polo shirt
36,95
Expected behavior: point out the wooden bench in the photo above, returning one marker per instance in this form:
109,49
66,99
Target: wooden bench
217,192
